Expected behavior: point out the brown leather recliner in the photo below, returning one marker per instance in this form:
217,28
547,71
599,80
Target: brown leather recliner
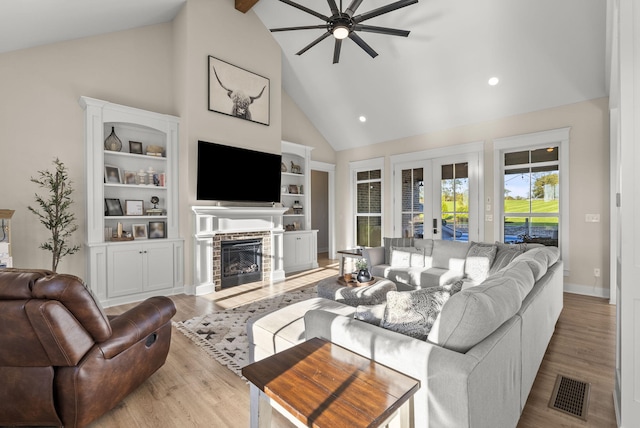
63,362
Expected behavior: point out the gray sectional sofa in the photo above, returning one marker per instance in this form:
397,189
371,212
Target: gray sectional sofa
414,263
480,357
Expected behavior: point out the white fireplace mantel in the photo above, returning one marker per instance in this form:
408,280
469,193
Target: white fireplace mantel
212,220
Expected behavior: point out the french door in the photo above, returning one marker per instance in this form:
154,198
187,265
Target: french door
438,198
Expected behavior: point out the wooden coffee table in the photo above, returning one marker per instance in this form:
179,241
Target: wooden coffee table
320,384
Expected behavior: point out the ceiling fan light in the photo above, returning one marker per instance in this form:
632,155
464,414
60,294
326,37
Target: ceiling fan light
340,32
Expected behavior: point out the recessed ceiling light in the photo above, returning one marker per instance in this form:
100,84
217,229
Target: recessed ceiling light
362,119
494,81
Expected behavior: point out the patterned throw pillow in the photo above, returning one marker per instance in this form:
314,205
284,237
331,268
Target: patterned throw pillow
479,260
414,312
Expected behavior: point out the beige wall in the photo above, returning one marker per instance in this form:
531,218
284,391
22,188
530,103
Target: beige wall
40,118
589,179
203,28
297,128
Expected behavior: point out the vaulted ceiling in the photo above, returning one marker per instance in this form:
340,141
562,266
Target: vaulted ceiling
546,53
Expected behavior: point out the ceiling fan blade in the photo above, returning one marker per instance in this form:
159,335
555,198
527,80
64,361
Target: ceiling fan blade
336,51
382,10
381,30
305,9
312,44
305,27
333,6
353,7
368,49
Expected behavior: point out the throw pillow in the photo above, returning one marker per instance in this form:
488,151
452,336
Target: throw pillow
504,256
404,257
479,260
371,314
414,312
394,242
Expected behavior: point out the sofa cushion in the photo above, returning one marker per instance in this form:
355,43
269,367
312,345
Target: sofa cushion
449,254
435,277
479,259
473,314
394,242
539,259
504,255
405,257
414,312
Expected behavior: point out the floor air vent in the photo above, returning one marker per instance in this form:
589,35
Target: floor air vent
570,396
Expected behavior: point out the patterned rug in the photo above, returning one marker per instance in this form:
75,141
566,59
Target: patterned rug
223,334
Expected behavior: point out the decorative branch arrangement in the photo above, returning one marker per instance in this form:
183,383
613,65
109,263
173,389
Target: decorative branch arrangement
55,213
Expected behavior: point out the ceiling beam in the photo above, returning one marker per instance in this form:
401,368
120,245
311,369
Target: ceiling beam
245,5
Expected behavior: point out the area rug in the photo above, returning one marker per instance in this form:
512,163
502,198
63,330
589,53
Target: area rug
223,334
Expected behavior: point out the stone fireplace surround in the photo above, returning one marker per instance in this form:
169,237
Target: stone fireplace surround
212,224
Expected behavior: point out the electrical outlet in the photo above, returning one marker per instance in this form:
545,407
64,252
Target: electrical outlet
596,273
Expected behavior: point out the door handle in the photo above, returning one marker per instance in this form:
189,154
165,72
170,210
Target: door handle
435,226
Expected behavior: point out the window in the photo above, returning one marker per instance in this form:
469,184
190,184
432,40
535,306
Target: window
412,192
532,189
368,205
531,196
454,198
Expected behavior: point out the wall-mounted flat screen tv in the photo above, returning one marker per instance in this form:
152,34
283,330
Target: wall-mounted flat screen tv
234,174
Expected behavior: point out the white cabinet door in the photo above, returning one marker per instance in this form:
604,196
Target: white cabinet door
304,249
158,266
135,269
124,270
289,250
300,250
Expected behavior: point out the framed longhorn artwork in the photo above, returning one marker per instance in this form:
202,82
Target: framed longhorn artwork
237,92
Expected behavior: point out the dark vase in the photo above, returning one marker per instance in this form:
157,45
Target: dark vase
112,142
364,275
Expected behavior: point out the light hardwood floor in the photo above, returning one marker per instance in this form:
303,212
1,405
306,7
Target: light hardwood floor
192,389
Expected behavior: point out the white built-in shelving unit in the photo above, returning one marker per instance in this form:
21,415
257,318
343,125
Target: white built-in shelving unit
121,269
300,241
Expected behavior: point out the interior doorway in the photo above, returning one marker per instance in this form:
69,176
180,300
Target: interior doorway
322,206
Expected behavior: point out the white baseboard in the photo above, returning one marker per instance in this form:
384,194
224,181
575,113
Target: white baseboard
586,290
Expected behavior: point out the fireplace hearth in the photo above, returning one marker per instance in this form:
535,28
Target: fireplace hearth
241,262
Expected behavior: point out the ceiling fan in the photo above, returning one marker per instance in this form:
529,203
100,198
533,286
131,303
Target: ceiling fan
342,24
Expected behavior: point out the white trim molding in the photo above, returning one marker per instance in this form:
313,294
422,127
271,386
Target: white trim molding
330,169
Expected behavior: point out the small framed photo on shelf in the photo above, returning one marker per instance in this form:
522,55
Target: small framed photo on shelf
135,147
130,177
133,207
139,231
293,189
112,174
113,207
157,230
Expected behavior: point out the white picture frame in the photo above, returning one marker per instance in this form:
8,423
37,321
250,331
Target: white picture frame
133,207
139,231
